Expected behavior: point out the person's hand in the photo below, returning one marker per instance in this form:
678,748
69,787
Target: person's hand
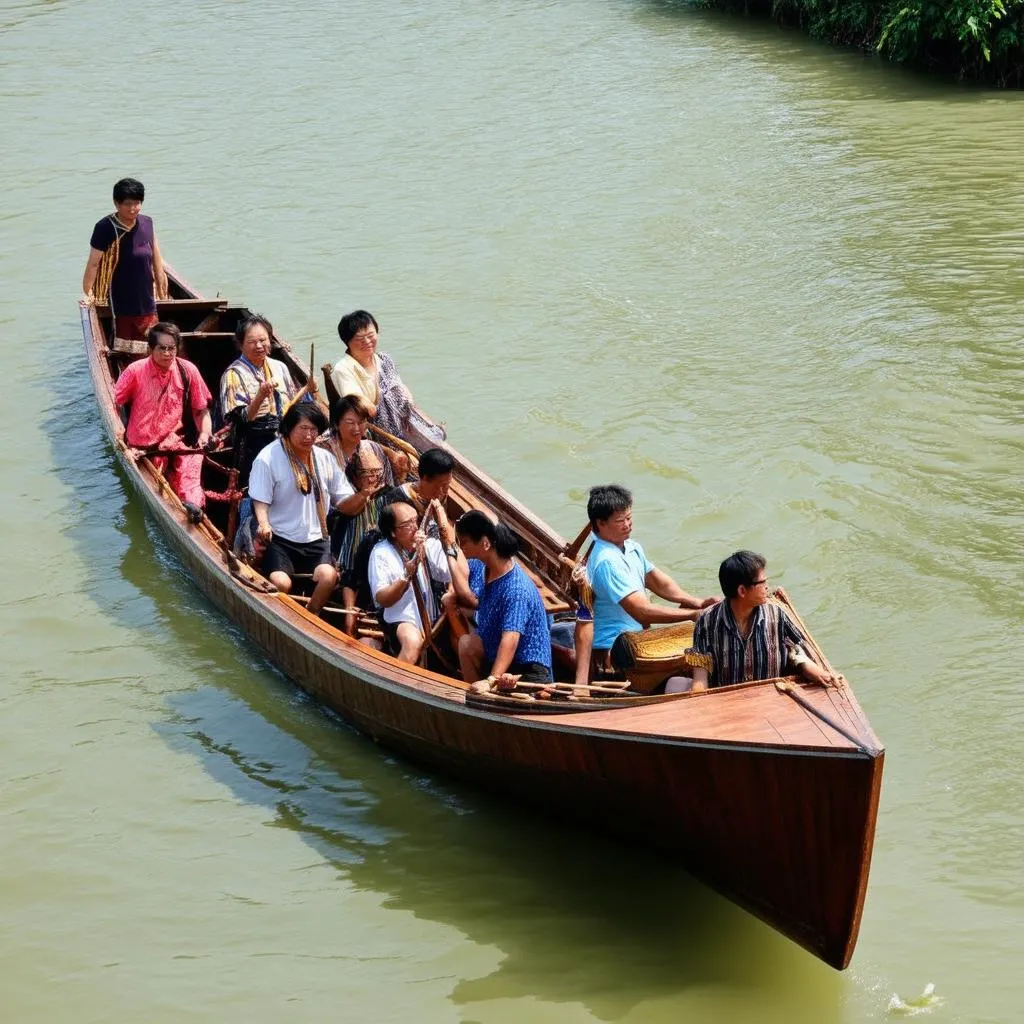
86,299
135,454
161,288
203,441
411,566
709,602
506,682
449,601
264,533
817,674
266,389
311,384
444,527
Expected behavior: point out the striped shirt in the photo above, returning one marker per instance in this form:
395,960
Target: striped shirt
761,655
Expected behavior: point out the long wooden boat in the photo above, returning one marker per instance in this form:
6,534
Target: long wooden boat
766,791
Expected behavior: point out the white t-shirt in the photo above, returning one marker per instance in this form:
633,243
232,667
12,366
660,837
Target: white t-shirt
293,514
386,566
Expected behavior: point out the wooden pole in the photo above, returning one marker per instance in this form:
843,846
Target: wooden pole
790,691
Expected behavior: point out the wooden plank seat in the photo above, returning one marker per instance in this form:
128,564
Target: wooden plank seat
128,347
168,309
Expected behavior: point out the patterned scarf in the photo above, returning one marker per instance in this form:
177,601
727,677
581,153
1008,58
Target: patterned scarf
307,479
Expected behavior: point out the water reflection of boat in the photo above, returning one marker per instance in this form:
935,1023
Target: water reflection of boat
769,799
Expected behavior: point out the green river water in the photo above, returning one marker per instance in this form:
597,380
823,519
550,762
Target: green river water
773,287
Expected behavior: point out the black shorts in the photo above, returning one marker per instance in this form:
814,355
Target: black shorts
290,557
390,631
529,671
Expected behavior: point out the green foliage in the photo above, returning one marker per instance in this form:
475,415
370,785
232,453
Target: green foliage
978,39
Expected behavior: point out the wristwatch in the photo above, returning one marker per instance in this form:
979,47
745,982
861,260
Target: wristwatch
452,551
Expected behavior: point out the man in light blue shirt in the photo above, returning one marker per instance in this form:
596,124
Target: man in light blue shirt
620,574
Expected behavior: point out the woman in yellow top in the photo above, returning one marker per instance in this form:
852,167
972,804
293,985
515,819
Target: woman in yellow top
371,375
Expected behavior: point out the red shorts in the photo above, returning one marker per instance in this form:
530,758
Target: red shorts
134,328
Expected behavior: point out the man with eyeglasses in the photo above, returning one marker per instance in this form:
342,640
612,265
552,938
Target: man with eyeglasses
158,389
407,559
747,636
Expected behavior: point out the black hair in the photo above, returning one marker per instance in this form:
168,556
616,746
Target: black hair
352,323
386,522
129,188
252,320
435,462
347,404
166,328
739,570
605,500
475,525
310,411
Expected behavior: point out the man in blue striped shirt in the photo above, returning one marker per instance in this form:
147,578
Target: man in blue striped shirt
746,636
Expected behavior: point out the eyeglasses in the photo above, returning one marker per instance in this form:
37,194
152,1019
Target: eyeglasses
306,428
761,582
405,525
166,348
363,339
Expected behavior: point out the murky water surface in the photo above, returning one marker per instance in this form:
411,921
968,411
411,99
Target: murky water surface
773,287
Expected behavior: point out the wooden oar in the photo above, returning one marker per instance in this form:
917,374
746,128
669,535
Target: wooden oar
790,691
782,596
571,551
572,688
397,442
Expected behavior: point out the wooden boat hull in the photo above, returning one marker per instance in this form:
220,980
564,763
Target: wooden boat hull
778,815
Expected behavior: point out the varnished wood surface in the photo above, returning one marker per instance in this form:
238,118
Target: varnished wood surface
743,786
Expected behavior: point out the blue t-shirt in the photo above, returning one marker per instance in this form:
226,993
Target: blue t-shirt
615,573
512,604
476,576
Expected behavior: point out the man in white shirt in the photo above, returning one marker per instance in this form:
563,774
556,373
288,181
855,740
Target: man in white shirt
292,485
406,553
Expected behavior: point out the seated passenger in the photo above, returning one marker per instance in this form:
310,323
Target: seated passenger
255,391
347,436
293,485
371,374
366,472
619,574
513,636
403,554
746,636
435,478
158,389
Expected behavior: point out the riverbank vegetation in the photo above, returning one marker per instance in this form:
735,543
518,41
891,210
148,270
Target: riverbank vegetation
982,40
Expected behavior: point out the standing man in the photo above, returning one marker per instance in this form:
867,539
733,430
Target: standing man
747,637
293,483
163,393
620,575
125,267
